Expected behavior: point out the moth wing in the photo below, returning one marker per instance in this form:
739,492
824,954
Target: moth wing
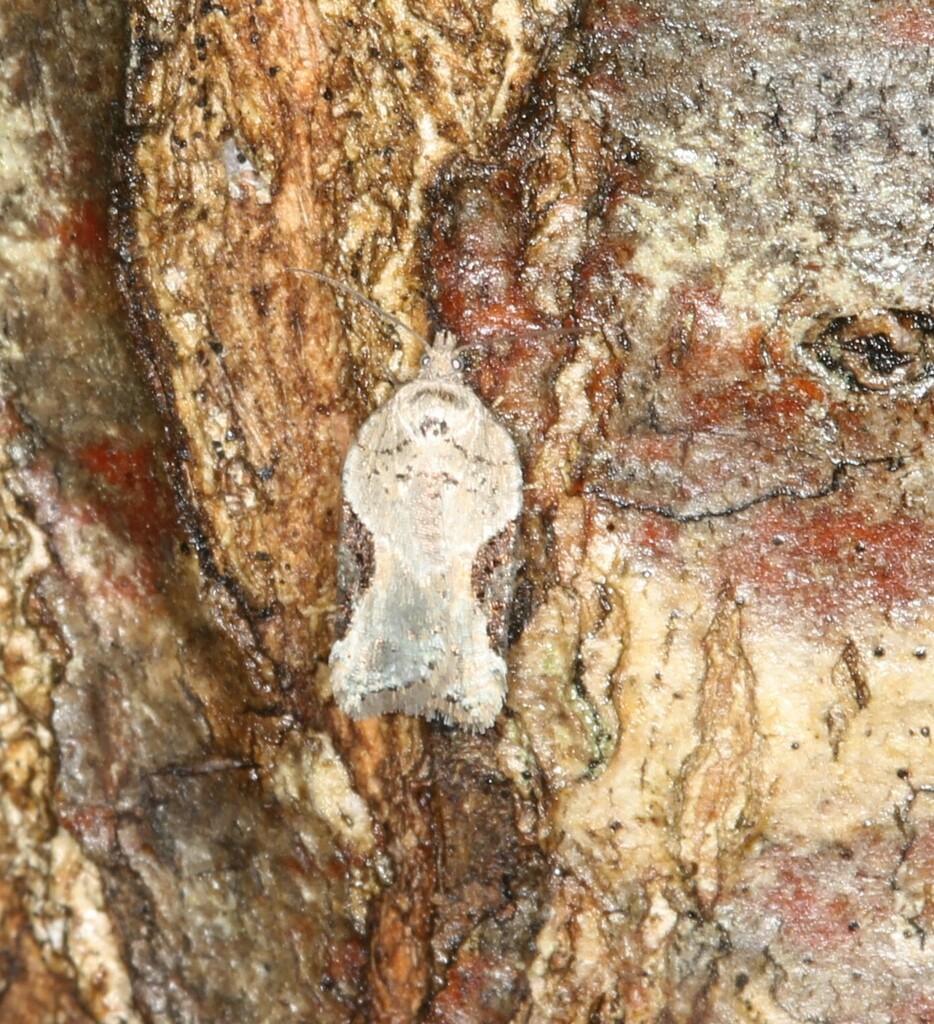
355,566
449,503
368,480
497,482
493,568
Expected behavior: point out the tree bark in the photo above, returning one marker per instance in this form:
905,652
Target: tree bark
687,249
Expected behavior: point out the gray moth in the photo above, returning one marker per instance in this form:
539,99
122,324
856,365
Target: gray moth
432,491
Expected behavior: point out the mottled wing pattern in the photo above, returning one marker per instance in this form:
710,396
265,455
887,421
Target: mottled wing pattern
434,483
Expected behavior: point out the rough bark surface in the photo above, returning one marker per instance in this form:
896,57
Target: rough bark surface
690,245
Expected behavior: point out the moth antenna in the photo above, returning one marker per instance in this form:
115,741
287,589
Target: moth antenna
360,297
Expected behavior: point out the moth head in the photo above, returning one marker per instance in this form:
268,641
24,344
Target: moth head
441,359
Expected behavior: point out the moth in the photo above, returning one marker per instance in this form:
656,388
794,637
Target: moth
432,492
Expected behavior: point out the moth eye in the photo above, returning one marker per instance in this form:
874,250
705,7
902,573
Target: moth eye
457,363
425,361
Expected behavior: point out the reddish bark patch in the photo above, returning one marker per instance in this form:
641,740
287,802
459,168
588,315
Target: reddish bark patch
616,22
84,228
474,252
826,904
813,917
131,493
904,22
479,988
918,1010
93,825
833,555
655,535
752,406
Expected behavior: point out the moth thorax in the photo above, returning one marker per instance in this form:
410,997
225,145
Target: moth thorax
436,411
